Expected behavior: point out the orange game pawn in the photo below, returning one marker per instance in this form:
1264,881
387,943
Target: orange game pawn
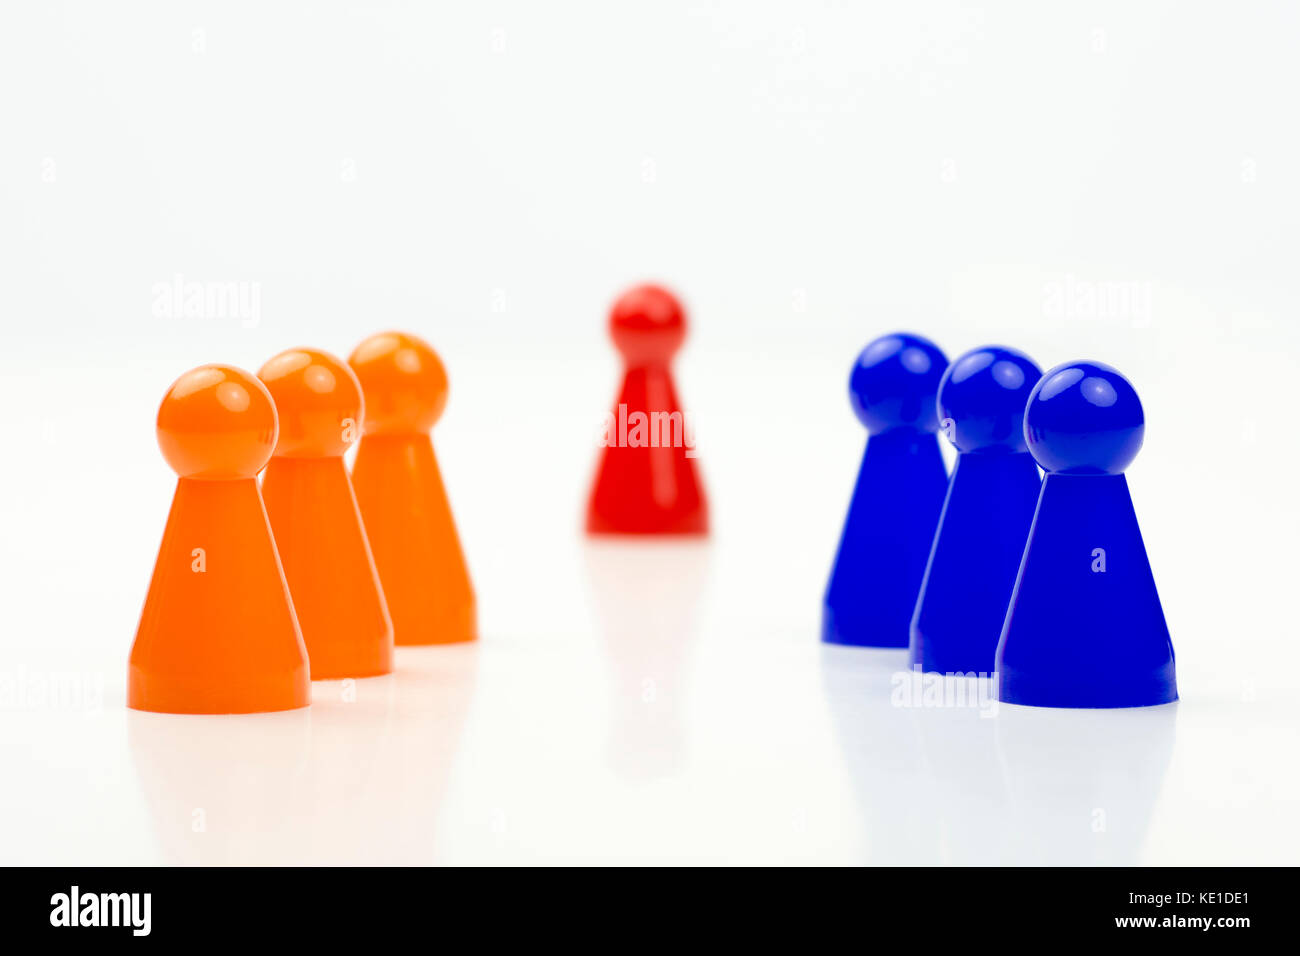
400,491
313,513
218,634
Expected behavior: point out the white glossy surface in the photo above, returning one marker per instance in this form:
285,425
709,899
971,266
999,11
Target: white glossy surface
661,721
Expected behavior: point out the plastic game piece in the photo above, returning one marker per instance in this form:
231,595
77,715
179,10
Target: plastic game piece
898,496
646,481
218,634
986,514
313,512
1085,627
399,489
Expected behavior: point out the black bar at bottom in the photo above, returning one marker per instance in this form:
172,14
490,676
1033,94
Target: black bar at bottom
330,905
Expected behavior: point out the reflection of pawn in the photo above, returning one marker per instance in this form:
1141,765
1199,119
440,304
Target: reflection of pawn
896,502
381,758
1085,627
226,792
399,489
314,516
646,482
218,633
1080,786
986,515
647,599
885,764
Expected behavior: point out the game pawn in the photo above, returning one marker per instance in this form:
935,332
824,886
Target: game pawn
400,492
646,481
313,512
218,634
899,493
1085,627
986,514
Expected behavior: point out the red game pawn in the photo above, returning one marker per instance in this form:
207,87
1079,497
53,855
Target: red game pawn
646,482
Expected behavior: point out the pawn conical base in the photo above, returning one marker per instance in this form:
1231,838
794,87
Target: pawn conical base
218,634
973,565
1085,627
327,563
646,481
413,538
886,541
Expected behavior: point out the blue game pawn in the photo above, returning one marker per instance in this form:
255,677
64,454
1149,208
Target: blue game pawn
1085,627
986,516
899,493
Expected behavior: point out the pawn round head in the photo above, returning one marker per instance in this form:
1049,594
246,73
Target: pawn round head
982,399
648,325
404,383
1084,418
894,383
318,399
217,422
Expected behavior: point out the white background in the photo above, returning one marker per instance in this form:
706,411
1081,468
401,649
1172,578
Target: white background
808,176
